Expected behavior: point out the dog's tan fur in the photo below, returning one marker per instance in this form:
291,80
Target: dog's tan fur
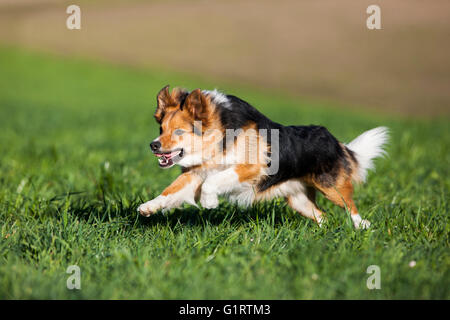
204,178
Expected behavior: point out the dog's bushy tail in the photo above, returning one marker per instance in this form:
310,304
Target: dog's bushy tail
368,146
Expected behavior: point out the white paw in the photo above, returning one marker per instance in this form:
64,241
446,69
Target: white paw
365,224
320,220
360,223
209,200
150,207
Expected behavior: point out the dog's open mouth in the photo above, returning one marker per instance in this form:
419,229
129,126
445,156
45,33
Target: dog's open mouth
168,159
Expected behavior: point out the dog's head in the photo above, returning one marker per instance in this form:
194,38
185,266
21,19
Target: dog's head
188,127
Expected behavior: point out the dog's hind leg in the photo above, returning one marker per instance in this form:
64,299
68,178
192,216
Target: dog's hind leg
342,195
305,204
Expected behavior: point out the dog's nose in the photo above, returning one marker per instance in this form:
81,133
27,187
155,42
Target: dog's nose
155,145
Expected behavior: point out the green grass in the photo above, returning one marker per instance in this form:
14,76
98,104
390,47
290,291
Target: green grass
75,164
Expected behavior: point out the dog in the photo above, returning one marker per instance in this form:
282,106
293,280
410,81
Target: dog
227,147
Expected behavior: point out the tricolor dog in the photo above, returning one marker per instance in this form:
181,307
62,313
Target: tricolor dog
226,147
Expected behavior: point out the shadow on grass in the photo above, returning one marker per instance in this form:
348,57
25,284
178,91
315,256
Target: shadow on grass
113,210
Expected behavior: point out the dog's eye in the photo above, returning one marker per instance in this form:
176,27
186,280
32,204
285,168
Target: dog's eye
160,130
179,132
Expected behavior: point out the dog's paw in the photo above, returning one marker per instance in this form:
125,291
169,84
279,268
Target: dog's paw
360,223
150,207
209,200
320,220
364,224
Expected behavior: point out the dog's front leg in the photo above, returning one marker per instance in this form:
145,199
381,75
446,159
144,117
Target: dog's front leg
183,189
217,184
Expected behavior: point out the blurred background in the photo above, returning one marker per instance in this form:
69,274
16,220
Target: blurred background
76,120
314,49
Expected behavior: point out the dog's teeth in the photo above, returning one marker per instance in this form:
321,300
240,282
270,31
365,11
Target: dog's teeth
163,161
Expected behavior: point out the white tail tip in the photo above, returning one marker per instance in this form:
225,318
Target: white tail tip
368,146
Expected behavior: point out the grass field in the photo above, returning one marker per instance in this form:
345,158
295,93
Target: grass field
75,164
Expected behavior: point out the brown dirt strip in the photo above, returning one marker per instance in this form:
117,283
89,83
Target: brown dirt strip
317,49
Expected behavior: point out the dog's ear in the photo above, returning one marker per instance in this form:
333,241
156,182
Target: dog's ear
197,105
164,100
179,96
